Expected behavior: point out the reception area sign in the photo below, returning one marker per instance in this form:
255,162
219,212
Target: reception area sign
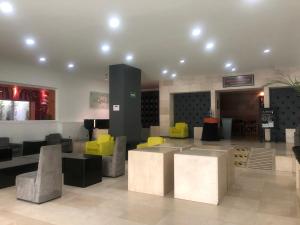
238,81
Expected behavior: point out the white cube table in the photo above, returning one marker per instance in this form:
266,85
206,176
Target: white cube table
228,150
151,170
176,146
200,176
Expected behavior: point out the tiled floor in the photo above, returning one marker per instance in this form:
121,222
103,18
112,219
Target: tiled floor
257,198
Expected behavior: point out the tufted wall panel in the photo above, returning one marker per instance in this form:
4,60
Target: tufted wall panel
287,103
191,108
150,108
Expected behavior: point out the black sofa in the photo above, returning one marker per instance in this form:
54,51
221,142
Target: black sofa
16,149
33,147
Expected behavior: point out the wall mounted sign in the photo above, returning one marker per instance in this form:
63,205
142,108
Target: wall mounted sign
132,94
268,118
116,108
238,81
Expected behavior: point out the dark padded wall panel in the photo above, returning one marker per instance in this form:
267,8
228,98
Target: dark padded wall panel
125,91
150,108
287,103
191,108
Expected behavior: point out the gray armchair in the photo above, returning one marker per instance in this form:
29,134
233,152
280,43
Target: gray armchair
45,184
114,166
66,144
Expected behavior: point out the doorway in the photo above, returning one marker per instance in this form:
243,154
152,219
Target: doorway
243,106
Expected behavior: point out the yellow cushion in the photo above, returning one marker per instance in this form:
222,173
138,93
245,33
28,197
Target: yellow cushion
104,146
152,141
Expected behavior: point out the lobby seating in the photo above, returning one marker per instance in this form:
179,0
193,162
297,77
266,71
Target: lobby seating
54,139
45,184
180,130
16,149
32,147
114,166
103,146
5,154
152,141
297,136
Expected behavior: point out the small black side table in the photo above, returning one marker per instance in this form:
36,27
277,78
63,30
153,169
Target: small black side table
82,170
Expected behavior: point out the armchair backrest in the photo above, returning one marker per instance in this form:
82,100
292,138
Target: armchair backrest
155,140
53,139
4,141
49,174
105,138
181,125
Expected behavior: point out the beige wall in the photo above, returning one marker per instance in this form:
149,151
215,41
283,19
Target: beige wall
212,83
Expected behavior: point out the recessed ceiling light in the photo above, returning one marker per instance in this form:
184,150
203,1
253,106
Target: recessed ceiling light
228,65
164,71
182,61
129,57
71,65
114,22
42,59
196,32
210,46
173,75
267,51
233,69
6,8
30,41
105,48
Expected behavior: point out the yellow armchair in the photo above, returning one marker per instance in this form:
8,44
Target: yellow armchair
104,146
181,130
152,141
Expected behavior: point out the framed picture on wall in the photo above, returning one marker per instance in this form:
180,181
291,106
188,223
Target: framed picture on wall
99,100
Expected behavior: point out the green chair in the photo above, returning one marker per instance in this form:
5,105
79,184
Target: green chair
152,141
103,146
181,130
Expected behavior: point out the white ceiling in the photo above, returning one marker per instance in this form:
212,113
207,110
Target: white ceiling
157,32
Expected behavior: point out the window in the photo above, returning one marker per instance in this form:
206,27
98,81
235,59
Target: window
26,103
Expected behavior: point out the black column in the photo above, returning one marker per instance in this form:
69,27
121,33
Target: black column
125,102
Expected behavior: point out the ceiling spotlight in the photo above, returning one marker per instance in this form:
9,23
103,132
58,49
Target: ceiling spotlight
173,75
267,51
105,48
196,32
182,61
6,8
42,59
114,22
30,42
228,65
71,65
129,57
164,71
210,46
233,69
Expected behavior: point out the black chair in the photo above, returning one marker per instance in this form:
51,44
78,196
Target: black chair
66,144
32,147
16,149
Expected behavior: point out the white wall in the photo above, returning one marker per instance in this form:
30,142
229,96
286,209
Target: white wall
72,101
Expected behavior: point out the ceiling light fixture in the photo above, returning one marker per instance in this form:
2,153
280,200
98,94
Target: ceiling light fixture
129,57
228,65
164,71
42,59
233,69
71,66
105,48
196,32
210,46
30,41
182,61
114,22
6,8
267,51
174,75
